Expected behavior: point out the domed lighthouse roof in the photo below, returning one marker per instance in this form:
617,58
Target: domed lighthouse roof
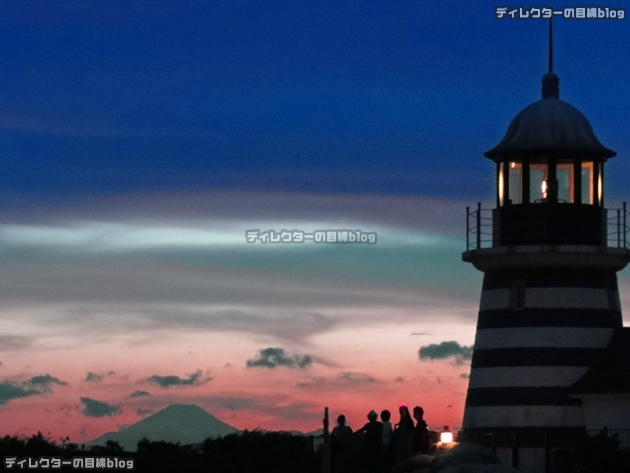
550,124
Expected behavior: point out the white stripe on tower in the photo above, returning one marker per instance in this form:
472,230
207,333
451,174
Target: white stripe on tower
531,337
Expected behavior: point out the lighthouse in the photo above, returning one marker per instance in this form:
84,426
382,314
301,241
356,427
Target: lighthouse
550,309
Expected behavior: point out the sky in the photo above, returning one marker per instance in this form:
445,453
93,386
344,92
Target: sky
140,141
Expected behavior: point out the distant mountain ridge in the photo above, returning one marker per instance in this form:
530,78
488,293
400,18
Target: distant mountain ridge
183,423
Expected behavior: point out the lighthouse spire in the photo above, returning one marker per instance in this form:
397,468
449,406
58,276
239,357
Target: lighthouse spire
550,45
550,81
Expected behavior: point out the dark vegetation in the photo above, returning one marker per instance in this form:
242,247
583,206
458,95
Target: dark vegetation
246,452
273,452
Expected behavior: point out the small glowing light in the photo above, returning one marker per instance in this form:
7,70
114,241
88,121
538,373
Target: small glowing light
501,190
446,436
512,164
544,187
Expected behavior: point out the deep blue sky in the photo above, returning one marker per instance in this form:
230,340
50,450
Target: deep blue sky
398,97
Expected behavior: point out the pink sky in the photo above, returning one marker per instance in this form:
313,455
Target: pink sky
112,310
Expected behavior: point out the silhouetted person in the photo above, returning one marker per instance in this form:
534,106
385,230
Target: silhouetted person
387,455
403,435
372,442
341,445
420,434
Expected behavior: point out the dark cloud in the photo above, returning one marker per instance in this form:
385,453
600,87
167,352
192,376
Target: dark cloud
94,408
446,350
144,412
97,377
194,379
274,357
400,379
93,377
464,376
35,386
9,391
45,381
139,394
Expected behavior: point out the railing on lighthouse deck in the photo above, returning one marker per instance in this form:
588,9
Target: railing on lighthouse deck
479,228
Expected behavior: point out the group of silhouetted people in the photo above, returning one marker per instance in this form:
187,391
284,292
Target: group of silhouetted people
377,446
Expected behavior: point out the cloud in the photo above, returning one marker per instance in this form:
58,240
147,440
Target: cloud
399,379
98,377
94,408
464,376
139,394
9,391
355,378
274,357
45,381
194,379
144,412
36,386
344,380
446,350
14,342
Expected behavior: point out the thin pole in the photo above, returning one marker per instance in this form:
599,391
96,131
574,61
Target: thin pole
467,228
478,225
625,228
551,45
619,228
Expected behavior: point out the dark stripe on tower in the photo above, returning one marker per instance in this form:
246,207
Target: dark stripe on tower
555,356
508,318
551,278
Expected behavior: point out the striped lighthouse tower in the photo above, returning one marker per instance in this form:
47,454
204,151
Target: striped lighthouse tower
549,303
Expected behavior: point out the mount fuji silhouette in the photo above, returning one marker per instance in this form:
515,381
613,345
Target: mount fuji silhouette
186,424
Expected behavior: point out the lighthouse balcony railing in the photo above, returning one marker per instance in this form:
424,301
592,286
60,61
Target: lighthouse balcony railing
479,228
618,221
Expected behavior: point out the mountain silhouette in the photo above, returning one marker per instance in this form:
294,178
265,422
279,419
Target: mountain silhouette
186,424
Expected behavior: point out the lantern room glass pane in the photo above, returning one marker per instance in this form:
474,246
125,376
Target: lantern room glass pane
501,184
516,178
564,175
587,183
537,182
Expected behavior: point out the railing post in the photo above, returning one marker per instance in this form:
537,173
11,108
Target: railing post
467,229
619,228
478,225
625,228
